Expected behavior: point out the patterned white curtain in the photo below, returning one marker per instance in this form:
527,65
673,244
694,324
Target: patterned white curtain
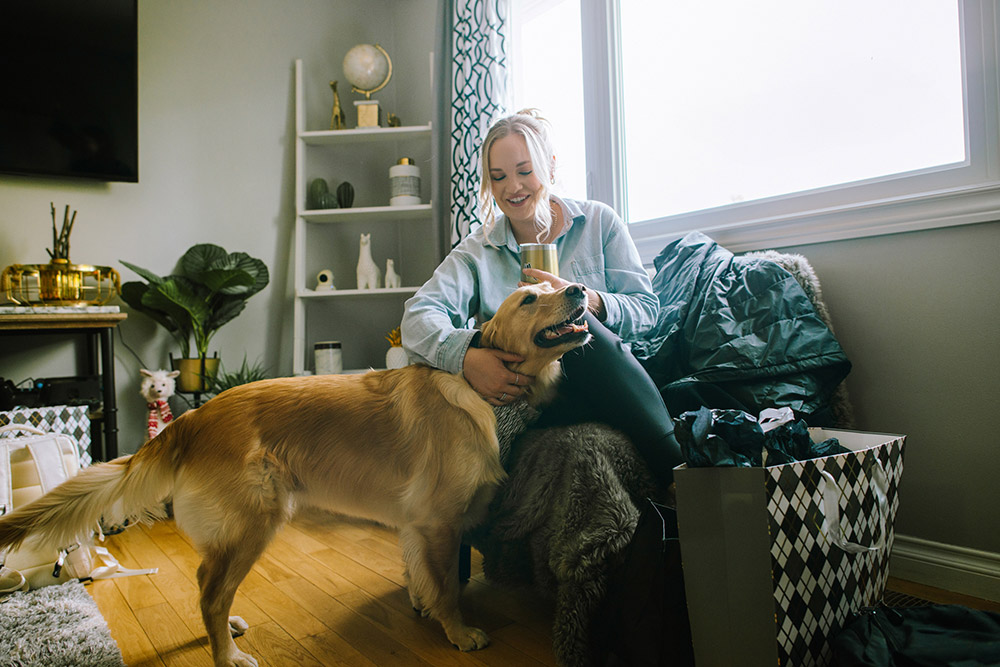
479,76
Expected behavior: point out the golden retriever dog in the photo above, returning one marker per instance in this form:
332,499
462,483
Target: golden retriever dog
413,448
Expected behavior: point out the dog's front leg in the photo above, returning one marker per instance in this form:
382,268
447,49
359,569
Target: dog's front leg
431,555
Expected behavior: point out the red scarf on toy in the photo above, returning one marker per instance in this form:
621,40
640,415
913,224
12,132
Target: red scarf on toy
159,416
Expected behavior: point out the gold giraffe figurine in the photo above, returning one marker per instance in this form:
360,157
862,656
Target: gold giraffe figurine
337,121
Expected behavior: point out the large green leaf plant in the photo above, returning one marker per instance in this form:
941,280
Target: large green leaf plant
211,289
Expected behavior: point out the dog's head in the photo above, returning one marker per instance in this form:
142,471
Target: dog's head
540,323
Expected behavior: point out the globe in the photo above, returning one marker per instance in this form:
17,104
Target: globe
367,68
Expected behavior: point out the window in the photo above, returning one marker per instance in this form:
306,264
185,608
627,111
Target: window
771,98
783,122
547,74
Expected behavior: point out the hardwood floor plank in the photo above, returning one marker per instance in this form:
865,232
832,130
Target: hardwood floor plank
423,636
317,594
527,641
364,636
335,651
293,618
127,630
309,568
293,534
939,596
174,642
180,561
525,606
271,568
138,590
341,621
172,585
389,567
329,591
359,575
271,645
180,552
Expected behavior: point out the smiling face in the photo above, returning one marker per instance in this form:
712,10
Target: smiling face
515,183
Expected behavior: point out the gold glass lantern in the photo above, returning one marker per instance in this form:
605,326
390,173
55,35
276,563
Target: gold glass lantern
60,283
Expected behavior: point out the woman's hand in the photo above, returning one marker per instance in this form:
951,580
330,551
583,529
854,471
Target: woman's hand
485,370
595,303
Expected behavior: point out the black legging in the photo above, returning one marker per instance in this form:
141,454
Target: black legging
605,382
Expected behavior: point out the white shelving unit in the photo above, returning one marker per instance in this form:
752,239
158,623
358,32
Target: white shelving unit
328,238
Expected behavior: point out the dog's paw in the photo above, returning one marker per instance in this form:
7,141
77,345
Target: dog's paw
469,639
417,604
237,626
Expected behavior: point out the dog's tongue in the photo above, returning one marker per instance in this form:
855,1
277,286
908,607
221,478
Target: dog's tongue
564,329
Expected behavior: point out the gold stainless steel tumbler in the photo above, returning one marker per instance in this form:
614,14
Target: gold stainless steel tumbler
539,256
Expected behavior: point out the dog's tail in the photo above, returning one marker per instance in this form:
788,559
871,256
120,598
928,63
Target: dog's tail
131,487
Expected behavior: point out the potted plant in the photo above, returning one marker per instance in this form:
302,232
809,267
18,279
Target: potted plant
211,289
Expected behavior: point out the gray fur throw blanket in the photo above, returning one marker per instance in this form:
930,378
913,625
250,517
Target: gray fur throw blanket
568,509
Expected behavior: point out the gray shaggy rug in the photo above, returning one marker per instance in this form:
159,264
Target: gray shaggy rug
562,520
55,626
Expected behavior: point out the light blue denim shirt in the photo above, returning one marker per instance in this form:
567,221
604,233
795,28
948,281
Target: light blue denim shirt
594,249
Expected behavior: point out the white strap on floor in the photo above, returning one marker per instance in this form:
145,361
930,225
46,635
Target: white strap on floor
110,568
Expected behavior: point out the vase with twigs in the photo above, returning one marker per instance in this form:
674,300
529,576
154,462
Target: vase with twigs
60,283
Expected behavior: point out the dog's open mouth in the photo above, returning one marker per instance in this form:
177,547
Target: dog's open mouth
567,331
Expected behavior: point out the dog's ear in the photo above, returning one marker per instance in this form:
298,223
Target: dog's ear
487,334
494,336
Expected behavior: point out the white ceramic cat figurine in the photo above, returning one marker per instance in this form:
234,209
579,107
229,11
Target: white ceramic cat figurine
368,273
391,277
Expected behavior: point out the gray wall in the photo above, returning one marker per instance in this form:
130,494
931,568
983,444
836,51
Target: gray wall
216,149
919,315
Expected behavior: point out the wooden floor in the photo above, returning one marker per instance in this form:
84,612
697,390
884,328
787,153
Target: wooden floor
328,591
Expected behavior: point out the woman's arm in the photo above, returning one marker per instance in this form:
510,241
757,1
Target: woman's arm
631,308
435,327
436,331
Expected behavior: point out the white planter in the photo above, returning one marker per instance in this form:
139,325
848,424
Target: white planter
395,357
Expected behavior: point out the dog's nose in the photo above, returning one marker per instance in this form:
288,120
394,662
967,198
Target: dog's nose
575,289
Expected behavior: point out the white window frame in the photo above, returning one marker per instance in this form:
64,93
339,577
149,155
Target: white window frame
964,193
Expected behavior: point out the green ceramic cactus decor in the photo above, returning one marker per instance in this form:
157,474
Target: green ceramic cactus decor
328,200
317,188
345,194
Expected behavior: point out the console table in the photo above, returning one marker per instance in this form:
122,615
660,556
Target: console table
98,329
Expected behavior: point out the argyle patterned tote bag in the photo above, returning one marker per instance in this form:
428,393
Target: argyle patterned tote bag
776,559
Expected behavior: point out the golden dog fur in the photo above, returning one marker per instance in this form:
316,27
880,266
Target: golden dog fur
413,448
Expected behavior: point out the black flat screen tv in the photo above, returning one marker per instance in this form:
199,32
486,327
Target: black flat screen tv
69,89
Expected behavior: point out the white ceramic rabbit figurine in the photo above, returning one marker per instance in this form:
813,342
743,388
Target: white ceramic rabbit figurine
368,272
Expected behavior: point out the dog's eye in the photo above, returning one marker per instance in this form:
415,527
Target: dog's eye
528,298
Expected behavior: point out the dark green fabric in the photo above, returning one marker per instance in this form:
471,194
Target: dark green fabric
733,438
737,333
934,635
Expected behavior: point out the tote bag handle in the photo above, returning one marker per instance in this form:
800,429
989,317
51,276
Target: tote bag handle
22,427
831,510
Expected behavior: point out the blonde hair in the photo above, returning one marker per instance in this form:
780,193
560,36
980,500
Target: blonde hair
530,124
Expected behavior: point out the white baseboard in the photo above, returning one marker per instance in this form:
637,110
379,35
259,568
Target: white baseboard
956,569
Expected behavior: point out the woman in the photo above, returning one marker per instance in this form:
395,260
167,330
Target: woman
604,381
